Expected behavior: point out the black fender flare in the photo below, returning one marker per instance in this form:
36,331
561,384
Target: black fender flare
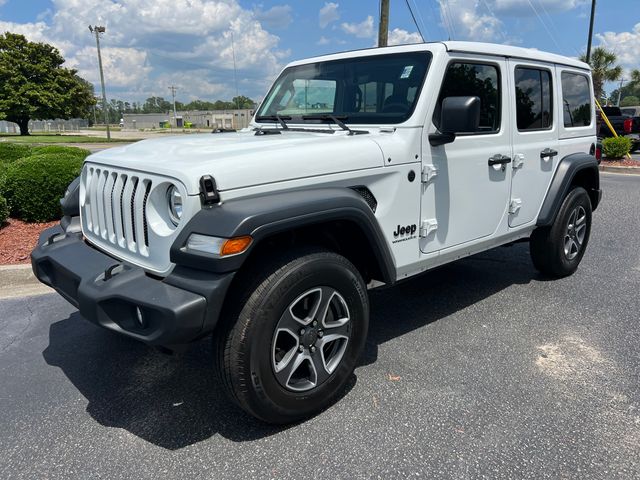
567,170
261,216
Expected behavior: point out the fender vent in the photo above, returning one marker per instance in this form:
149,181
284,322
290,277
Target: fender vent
368,197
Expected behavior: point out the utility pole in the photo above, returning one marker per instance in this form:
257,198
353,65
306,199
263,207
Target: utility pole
383,26
173,94
593,13
96,30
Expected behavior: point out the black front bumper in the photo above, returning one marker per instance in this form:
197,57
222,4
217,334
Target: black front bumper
174,310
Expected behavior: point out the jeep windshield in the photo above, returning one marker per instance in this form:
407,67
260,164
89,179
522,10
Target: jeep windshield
378,89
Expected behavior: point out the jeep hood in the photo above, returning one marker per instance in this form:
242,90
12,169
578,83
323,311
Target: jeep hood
245,159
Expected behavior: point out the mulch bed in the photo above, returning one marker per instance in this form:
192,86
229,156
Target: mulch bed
624,162
17,239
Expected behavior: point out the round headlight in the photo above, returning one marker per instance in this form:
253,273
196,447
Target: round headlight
175,204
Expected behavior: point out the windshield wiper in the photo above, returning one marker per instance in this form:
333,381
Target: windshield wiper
338,120
275,118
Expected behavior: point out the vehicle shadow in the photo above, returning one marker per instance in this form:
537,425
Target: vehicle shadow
175,401
429,297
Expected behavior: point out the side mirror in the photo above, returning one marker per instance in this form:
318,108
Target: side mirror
458,115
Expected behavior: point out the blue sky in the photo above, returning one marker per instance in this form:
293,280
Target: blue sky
151,44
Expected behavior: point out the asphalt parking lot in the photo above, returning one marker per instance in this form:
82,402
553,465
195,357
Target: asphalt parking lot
482,369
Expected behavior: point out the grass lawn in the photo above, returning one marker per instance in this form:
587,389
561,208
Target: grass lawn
103,129
58,139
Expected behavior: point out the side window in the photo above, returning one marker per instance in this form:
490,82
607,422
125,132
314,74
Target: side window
464,79
576,99
533,99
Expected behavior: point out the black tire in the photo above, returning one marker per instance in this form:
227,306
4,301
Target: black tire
244,345
547,244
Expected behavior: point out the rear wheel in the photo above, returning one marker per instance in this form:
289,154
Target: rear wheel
557,250
293,339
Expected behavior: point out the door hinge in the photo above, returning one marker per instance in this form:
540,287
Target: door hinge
428,172
515,205
427,227
518,161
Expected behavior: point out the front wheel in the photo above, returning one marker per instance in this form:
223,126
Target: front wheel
293,339
557,250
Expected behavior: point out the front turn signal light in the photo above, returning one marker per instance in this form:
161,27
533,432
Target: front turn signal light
220,247
233,246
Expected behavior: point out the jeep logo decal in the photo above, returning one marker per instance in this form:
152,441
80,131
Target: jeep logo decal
408,230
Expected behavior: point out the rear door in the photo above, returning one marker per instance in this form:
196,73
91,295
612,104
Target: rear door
535,138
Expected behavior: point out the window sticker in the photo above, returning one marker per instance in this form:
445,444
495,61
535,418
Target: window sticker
406,72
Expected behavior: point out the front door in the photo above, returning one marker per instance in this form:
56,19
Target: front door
467,198
535,138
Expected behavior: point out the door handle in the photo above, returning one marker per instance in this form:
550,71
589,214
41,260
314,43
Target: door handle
499,160
548,152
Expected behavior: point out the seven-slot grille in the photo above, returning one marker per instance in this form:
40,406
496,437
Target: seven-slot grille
114,208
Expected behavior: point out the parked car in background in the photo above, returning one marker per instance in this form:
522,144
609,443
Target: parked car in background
625,124
631,111
616,119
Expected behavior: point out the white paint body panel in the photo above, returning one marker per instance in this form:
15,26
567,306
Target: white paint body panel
468,199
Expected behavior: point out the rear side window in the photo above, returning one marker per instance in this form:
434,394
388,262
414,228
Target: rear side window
576,99
533,99
475,79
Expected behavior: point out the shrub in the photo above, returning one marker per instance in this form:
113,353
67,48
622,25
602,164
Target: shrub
616,147
63,151
4,210
10,152
34,185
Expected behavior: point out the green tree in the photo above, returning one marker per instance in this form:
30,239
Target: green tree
630,101
156,105
242,102
33,83
603,69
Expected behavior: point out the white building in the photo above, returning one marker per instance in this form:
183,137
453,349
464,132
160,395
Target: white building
222,119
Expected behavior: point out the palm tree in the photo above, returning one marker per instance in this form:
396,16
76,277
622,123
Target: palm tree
602,69
634,81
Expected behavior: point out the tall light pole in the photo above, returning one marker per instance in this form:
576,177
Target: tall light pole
383,27
620,91
173,94
97,30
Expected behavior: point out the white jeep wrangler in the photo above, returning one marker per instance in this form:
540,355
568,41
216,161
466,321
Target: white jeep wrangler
360,169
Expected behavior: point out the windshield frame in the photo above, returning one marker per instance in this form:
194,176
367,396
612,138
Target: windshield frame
352,118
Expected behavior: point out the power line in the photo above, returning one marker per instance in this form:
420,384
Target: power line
446,13
422,22
486,5
544,25
414,19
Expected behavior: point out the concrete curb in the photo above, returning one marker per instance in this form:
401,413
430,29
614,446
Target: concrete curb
19,281
615,169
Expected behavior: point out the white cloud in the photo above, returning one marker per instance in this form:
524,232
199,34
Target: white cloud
2,2
626,45
146,42
323,41
465,21
328,14
398,36
122,66
363,29
277,17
